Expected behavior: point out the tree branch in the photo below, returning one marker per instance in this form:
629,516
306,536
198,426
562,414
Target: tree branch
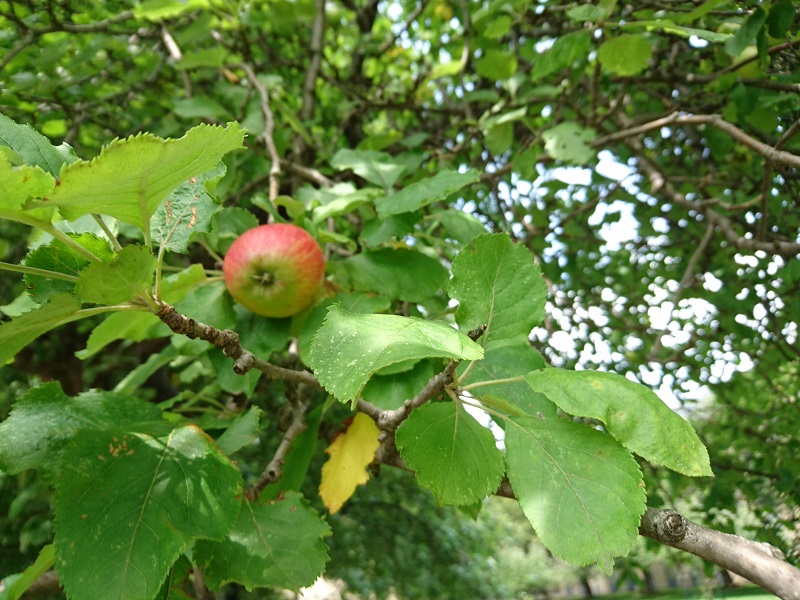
773,155
228,341
758,562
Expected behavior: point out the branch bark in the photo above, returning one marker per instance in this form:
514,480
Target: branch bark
760,563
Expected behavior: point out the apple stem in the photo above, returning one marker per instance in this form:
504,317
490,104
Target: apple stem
264,279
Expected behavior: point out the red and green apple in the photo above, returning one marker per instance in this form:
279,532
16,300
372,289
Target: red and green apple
274,270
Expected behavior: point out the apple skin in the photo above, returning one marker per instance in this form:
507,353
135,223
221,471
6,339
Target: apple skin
274,270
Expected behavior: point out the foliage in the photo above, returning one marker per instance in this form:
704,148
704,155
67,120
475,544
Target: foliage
609,189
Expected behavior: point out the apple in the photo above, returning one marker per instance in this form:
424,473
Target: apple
274,270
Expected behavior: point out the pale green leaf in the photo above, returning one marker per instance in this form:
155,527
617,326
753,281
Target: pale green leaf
570,142
59,257
625,54
131,177
460,225
242,432
45,419
44,562
132,500
157,10
582,492
18,184
497,284
453,455
130,273
424,192
496,65
349,348
566,51
668,26
21,331
135,326
378,168
275,544
632,413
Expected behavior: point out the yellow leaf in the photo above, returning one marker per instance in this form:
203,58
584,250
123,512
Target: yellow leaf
346,469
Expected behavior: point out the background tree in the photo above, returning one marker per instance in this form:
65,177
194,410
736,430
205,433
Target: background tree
645,154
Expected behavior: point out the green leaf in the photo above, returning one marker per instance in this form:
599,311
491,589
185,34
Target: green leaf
203,57
419,194
587,13
242,432
45,419
343,204
229,224
131,177
403,273
668,26
507,360
497,284
378,168
298,459
569,141
274,544
210,304
44,562
350,347
747,33
187,211
18,184
625,55
21,331
35,149
157,10
135,326
58,257
566,51
453,455
496,65
632,413
580,490
461,226
390,391
130,273
379,231
779,19
132,499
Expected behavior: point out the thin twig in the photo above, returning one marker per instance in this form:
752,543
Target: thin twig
269,131
773,155
274,469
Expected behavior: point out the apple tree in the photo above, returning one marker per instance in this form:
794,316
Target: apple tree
530,217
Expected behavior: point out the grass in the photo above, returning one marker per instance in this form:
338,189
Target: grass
747,593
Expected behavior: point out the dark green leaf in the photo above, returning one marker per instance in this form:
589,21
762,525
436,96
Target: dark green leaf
133,499
275,543
424,192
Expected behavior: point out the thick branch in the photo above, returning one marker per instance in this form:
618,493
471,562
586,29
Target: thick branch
758,562
228,341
